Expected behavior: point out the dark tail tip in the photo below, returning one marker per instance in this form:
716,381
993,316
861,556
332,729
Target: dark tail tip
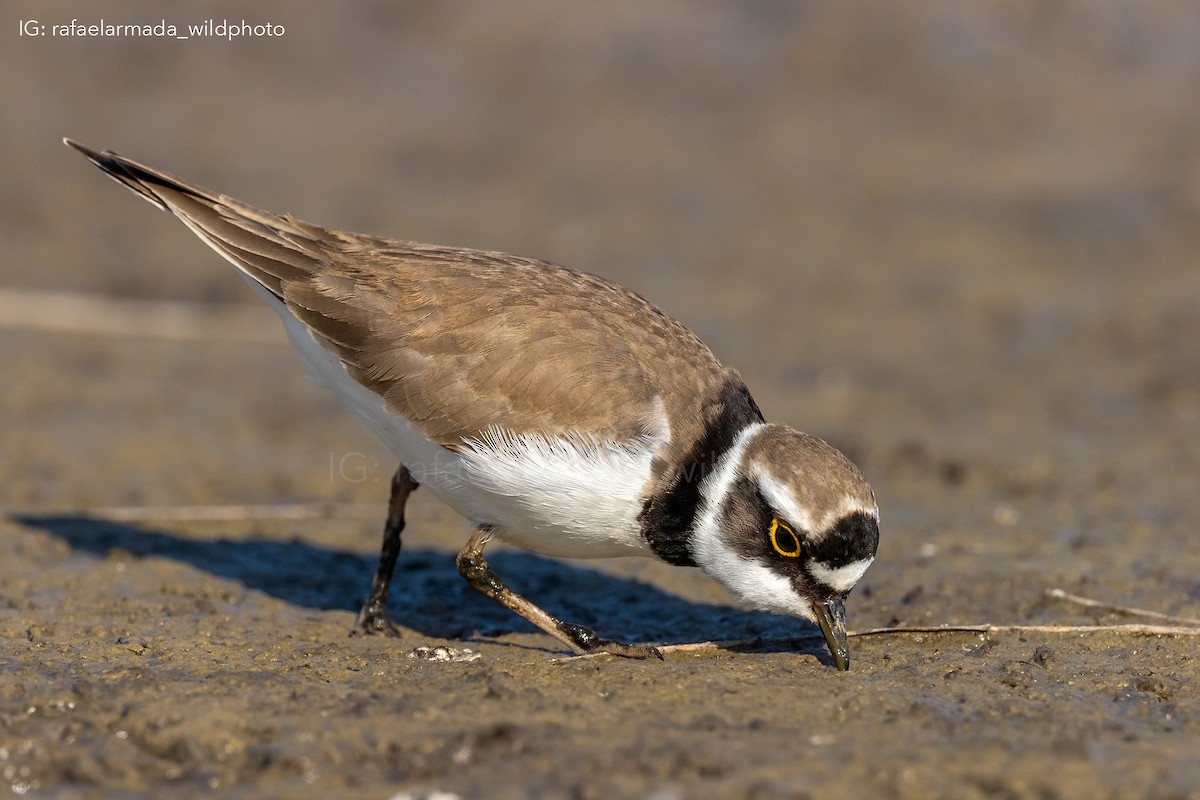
133,175
103,160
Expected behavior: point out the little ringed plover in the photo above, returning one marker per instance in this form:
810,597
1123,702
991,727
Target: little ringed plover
554,409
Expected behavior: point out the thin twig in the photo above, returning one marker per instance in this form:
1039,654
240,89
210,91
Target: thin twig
687,647
1059,594
1146,630
690,647
734,644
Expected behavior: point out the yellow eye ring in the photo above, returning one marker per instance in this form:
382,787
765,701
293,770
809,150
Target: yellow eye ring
790,546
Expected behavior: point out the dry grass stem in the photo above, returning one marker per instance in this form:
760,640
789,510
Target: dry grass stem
1059,594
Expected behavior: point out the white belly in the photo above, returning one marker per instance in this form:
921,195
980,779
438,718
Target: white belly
558,496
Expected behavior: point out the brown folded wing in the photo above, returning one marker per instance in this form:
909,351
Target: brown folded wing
459,340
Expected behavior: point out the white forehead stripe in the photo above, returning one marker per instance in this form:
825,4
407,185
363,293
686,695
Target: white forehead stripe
780,498
841,579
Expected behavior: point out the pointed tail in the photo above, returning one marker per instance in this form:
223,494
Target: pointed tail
271,249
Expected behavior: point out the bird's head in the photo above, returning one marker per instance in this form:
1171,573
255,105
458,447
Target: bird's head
788,524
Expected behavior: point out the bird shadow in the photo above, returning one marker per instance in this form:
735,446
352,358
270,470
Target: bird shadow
429,596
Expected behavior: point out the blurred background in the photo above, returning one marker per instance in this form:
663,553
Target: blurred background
957,240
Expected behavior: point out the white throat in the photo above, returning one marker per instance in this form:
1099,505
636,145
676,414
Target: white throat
749,580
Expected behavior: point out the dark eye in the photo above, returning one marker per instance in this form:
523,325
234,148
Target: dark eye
784,539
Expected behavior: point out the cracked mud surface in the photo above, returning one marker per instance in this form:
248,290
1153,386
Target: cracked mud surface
958,243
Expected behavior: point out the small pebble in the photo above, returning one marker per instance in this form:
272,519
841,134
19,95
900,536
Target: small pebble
443,653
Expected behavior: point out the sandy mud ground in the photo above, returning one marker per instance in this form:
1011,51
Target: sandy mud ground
957,240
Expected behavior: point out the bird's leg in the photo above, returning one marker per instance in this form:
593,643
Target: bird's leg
372,619
580,639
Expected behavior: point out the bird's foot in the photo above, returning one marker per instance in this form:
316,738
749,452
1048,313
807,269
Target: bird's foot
372,621
587,642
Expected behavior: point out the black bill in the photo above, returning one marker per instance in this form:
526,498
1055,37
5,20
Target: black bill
831,616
